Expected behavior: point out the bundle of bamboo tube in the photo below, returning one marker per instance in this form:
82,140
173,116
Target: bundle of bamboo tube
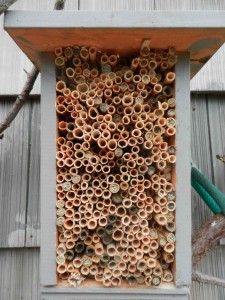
115,157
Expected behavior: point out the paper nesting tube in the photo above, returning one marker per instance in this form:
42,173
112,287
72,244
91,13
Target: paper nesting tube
115,200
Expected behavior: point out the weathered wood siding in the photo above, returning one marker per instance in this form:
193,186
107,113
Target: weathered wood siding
20,153
19,276
19,177
20,159
14,64
19,197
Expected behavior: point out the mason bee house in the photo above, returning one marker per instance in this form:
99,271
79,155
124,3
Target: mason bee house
115,148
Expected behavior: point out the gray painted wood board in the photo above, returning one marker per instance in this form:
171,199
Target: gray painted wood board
33,208
109,5
183,171
216,112
19,177
201,154
19,276
48,172
208,131
217,136
14,165
185,30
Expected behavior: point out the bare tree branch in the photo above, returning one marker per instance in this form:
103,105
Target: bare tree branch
207,237
221,157
31,78
59,4
203,278
5,4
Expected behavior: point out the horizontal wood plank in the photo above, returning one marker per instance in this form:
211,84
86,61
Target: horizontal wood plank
115,5
187,31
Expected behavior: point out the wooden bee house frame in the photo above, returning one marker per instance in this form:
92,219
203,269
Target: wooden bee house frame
196,36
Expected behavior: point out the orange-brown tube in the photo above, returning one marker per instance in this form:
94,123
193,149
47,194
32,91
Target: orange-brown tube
118,235
62,268
127,100
111,250
112,145
93,54
135,63
169,248
93,113
160,219
168,257
167,276
69,223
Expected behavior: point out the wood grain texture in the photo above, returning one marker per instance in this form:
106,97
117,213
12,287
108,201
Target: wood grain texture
19,101
13,61
13,177
217,134
201,154
19,276
19,177
212,76
187,31
33,193
105,5
207,134
212,264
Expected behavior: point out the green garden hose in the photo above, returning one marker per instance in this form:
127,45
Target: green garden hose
208,192
206,197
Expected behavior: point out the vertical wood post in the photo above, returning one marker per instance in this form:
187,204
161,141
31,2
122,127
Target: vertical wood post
183,172
48,172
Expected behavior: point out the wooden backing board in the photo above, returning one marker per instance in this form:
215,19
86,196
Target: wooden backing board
200,33
91,283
